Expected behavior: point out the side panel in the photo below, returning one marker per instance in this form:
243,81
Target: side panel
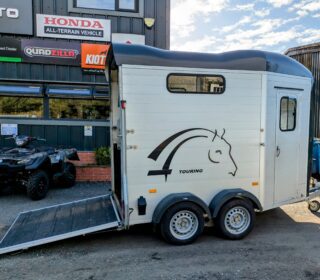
211,142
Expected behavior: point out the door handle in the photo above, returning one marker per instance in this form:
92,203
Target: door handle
278,151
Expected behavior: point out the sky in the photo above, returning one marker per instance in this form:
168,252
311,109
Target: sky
225,25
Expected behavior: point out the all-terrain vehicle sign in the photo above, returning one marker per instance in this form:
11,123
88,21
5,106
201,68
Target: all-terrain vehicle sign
35,169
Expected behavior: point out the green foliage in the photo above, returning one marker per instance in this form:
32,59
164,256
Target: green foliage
103,156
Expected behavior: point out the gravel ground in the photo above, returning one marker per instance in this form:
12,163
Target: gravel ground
285,244
19,202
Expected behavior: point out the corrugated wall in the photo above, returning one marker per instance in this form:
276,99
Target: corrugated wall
310,57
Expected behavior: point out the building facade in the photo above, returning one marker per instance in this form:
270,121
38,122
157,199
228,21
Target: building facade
309,56
52,54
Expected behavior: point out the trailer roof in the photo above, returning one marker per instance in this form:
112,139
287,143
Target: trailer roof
251,60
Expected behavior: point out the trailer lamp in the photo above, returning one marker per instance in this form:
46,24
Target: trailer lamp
142,205
152,190
123,104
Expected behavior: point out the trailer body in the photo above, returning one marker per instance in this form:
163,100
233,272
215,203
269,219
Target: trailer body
252,136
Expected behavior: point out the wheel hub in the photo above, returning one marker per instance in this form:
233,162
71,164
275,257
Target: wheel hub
237,220
184,224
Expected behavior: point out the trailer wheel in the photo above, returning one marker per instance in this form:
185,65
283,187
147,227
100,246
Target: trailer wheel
38,185
314,206
182,223
235,219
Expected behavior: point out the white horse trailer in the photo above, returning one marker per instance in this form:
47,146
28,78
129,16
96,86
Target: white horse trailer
197,140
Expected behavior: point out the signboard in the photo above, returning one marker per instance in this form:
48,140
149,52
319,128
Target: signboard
128,38
10,50
73,28
9,129
50,52
16,17
93,58
88,130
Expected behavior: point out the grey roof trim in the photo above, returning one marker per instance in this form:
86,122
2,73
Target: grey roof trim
250,60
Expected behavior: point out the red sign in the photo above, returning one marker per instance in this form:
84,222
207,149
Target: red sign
93,56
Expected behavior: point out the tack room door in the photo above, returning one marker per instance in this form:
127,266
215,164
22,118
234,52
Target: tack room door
287,146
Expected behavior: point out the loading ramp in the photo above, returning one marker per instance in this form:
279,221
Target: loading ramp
46,225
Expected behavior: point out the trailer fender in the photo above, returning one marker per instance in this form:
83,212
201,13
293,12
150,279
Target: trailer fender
175,198
224,196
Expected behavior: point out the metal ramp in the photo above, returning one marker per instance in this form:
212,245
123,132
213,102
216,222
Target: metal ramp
60,222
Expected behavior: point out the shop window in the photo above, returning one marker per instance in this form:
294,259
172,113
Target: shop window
79,109
21,107
196,84
288,107
113,5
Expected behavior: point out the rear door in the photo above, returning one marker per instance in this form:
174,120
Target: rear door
287,146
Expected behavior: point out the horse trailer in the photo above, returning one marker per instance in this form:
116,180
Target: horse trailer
197,140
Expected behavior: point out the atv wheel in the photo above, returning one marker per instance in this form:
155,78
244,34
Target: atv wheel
6,189
68,178
38,185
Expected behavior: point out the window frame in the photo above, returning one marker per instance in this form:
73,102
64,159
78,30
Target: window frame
197,75
295,113
138,12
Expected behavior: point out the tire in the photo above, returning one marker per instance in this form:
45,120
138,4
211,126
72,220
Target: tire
193,223
38,185
314,206
243,212
69,175
68,178
6,189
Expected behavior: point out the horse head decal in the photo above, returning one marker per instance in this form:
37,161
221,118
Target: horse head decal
219,149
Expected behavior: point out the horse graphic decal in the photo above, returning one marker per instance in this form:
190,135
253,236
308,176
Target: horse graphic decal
215,155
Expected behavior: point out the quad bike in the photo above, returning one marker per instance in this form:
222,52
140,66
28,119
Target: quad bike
35,169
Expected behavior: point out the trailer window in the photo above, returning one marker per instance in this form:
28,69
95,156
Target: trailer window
199,84
288,108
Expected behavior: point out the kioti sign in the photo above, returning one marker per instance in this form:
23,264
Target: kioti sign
73,28
93,57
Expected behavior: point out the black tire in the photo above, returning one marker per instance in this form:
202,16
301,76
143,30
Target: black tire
314,206
226,224
38,185
189,214
70,174
68,178
6,189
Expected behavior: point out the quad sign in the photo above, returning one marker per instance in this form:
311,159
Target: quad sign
50,52
73,28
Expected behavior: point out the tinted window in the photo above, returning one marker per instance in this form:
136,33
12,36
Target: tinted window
78,109
288,108
21,107
179,83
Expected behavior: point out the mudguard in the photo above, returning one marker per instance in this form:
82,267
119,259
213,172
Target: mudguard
175,198
39,162
224,196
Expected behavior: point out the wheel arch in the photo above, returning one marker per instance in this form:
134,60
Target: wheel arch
226,195
176,198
